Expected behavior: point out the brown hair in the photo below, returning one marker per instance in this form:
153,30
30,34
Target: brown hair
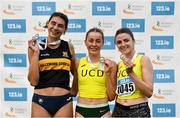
125,30
61,15
95,29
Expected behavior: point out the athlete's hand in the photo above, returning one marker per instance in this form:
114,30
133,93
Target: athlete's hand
32,44
108,66
127,62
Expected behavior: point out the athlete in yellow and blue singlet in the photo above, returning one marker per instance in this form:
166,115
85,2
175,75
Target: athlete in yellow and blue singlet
134,78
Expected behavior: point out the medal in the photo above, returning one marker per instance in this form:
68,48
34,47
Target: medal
122,57
100,64
43,45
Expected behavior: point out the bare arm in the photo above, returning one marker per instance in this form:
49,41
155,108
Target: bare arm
145,86
33,56
73,58
74,88
111,75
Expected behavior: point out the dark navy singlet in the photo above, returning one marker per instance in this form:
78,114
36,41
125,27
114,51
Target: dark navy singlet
54,65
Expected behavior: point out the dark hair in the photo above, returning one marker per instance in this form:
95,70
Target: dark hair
61,15
95,29
125,30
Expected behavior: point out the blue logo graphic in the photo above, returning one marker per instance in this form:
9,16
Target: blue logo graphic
103,8
162,42
108,43
124,81
164,76
77,25
14,25
111,107
162,8
164,110
80,55
75,98
14,60
136,25
43,8
15,94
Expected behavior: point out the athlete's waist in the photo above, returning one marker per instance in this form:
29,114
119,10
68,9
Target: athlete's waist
128,102
51,91
92,101
90,92
137,94
92,105
55,85
131,107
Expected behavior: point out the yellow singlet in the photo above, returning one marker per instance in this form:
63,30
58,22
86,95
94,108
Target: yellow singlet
126,88
91,80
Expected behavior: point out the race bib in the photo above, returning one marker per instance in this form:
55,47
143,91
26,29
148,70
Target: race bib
125,87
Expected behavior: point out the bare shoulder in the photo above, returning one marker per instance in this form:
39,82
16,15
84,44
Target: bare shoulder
145,60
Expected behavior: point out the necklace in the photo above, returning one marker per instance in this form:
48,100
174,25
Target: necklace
100,64
43,45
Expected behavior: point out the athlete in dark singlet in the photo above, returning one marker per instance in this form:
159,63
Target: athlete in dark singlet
50,63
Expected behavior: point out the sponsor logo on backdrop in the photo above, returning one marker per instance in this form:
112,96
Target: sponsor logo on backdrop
133,8
14,78
15,111
139,42
15,60
15,94
11,9
136,25
13,44
162,93
160,26
162,42
164,110
39,27
105,25
72,8
108,43
43,8
77,25
164,76
103,8
14,25
69,10
162,8
77,42
162,59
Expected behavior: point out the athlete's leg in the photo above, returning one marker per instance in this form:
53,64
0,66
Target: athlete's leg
78,115
106,115
65,111
38,111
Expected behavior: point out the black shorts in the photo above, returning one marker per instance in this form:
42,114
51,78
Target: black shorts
51,103
138,110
